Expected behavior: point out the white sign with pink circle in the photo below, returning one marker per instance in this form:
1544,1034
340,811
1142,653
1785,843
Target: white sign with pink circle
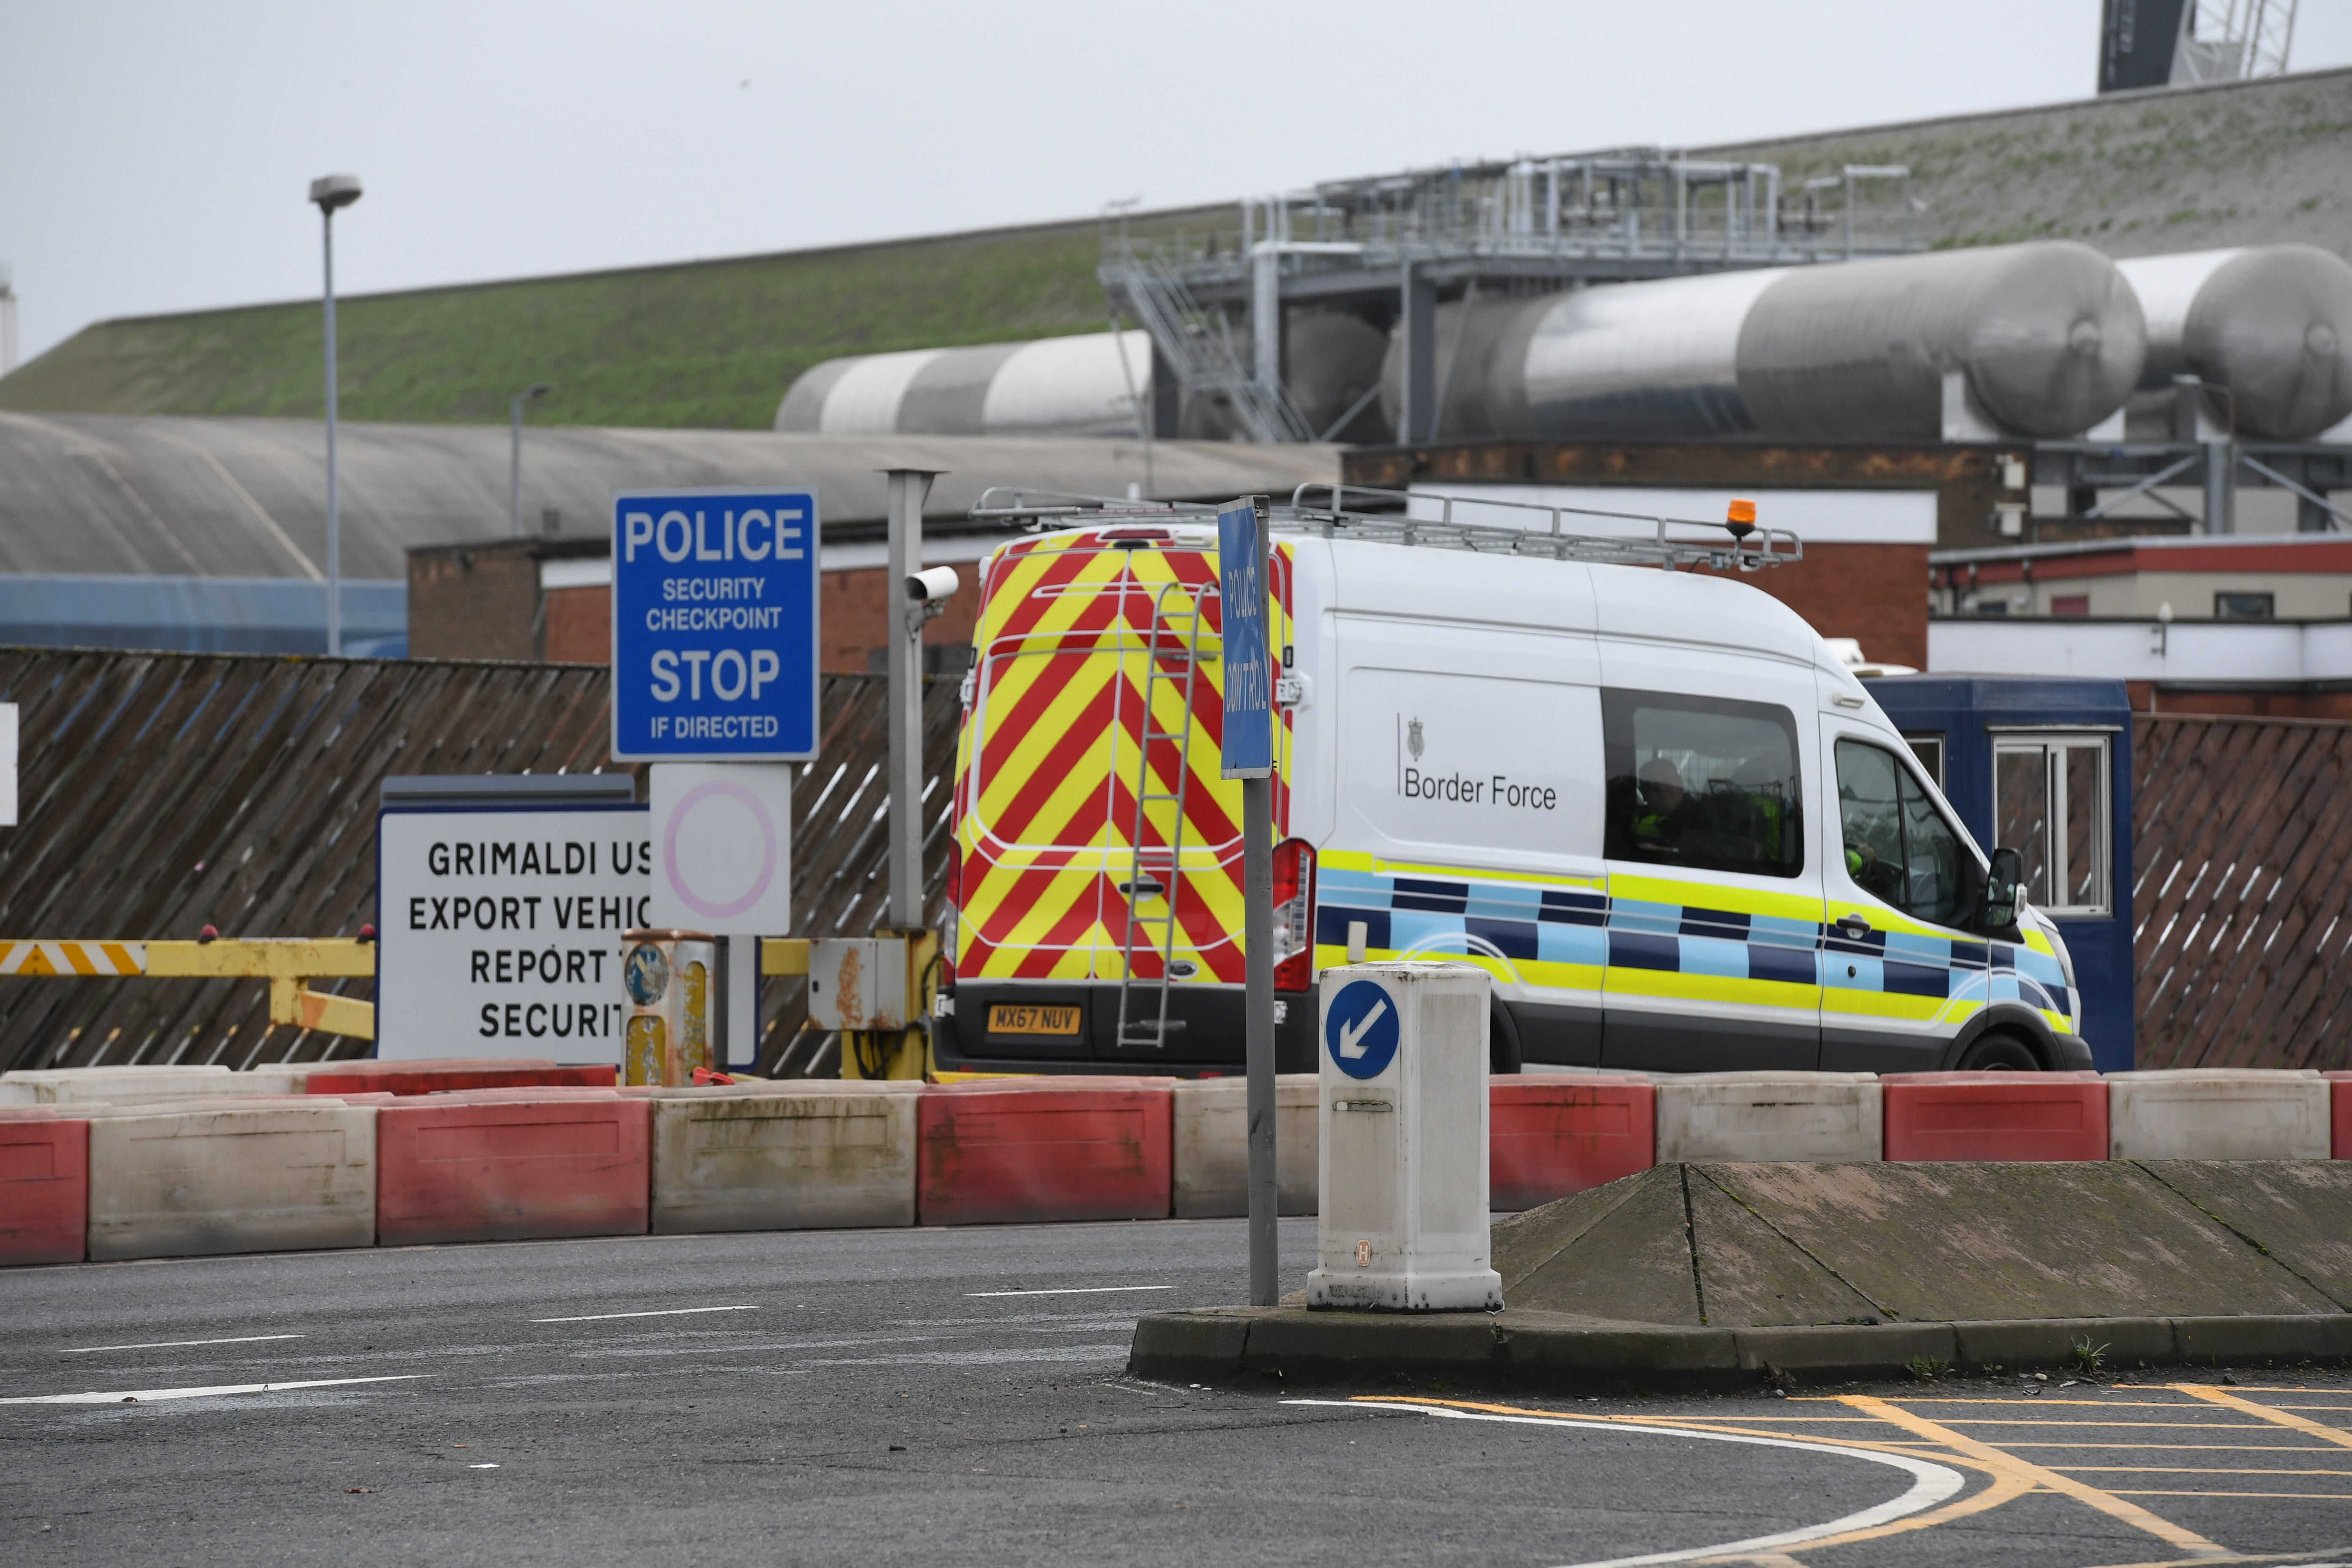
722,835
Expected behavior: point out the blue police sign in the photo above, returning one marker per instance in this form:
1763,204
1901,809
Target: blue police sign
1247,752
714,624
1359,1029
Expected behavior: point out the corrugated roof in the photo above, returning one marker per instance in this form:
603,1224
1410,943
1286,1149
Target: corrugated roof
159,495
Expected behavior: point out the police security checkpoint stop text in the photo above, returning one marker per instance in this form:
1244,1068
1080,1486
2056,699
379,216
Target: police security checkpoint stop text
714,624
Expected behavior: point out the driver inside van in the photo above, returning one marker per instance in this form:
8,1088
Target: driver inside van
1664,805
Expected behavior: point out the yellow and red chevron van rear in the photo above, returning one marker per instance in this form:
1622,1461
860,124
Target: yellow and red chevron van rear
1097,869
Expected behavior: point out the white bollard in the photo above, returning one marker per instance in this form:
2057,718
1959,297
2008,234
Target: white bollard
1403,1159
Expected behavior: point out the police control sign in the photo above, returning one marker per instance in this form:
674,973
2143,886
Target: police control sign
1247,748
714,624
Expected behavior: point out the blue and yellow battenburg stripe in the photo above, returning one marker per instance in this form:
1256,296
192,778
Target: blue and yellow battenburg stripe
1651,937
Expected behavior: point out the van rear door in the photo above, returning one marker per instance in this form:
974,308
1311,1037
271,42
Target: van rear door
1062,773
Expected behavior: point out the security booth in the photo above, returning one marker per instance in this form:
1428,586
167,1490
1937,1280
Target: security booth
2043,766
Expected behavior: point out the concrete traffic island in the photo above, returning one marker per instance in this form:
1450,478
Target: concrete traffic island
1729,1274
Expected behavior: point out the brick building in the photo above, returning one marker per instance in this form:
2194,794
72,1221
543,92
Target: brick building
551,599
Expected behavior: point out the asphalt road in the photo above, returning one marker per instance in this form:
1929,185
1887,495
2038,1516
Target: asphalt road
959,1396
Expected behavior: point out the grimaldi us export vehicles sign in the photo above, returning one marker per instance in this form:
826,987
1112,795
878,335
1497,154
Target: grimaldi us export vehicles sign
498,929
714,624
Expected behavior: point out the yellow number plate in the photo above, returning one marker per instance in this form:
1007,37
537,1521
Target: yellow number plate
1009,1020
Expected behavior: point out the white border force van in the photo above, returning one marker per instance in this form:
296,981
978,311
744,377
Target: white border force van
1652,803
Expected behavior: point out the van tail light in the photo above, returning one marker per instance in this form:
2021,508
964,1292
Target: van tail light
1293,915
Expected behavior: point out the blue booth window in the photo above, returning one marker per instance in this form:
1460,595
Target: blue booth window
2050,804
1929,749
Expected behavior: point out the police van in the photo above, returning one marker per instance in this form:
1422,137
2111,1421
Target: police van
1574,749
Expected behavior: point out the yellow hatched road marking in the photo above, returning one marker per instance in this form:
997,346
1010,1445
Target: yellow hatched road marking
2003,1487
2191,1470
2186,1447
2094,1403
2009,1477
2081,1492
2319,1429
2105,1426
2286,1557
2306,1496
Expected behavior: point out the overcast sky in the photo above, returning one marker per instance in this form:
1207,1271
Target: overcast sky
154,157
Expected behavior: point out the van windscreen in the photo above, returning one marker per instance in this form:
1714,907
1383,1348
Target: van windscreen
1704,783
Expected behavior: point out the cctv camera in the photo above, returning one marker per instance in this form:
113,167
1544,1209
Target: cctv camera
937,584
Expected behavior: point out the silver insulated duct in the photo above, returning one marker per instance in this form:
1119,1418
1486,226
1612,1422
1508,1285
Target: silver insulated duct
1053,386
2272,324
2046,338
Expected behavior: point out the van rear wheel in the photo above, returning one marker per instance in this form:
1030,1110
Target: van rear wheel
1997,1052
1502,1039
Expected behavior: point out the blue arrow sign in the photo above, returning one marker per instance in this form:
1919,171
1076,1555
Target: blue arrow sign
1359,1029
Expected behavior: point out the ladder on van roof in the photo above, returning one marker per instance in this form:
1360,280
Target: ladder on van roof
1149,1027
1401,517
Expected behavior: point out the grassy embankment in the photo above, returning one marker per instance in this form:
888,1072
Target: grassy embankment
708,344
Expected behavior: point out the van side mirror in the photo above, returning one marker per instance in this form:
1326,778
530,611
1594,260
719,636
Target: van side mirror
2000,890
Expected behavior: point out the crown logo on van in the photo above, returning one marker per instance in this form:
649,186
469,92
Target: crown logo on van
1412,738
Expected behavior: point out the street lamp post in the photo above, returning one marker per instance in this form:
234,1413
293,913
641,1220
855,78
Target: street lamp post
331,192
514,473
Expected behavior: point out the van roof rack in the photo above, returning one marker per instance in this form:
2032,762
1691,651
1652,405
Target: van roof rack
1038,510
1401,517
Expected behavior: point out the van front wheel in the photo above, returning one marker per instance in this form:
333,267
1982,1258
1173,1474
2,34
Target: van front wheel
1997,1052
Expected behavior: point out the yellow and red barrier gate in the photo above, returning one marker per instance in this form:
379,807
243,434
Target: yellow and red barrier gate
285,962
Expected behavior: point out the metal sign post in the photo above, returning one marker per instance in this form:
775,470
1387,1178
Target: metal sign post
1247,754
908,489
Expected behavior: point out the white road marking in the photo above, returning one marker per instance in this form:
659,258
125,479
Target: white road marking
666,1312
1931,1483
177,1344
482,1466
148,1396
1071,1290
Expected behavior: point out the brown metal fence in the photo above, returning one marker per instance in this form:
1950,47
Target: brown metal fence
2241,908
160,793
